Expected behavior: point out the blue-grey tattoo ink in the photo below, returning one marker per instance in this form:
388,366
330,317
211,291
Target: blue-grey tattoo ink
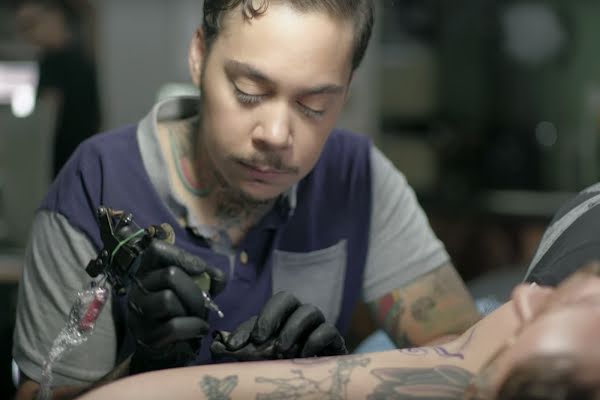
218,389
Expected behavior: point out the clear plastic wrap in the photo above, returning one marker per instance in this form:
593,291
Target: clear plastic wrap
80,325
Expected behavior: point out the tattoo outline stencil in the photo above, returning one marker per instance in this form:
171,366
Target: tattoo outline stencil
299,387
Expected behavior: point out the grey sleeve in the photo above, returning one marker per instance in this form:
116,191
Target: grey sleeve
54,273
402,245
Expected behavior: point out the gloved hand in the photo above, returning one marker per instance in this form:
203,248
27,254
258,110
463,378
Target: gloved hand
285,328
167,310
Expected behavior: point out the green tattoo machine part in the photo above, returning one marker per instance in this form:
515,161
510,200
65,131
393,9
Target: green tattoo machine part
203,282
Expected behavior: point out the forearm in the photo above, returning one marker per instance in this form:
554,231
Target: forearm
433,306
349,377
29,389
441,371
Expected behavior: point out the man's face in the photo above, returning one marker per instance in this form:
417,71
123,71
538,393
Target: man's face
272,90
562,321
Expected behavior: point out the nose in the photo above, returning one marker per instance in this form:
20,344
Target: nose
274,132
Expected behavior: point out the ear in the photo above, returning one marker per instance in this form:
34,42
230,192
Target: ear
196,55
529,300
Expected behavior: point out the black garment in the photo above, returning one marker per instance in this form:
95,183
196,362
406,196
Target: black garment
577,229
71,72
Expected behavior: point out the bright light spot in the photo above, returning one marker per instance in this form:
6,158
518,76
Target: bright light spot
546,133
533,32
23,101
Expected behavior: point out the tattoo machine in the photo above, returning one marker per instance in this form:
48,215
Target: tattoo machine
124,244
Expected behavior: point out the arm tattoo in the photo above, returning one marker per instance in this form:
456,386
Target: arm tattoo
389,311
428,307
422,308
332,387
218,389
440,383
441,351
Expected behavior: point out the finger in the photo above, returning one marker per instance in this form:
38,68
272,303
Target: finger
249,352
156,305
186,290
298,326
325,340
241,335
161,254
274,314
176,330
218,349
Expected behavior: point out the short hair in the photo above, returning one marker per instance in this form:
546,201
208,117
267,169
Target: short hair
361,12
553,377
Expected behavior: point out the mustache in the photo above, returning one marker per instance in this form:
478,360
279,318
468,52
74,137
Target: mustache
269,160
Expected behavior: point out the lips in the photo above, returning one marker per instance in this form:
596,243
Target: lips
263,174
263,169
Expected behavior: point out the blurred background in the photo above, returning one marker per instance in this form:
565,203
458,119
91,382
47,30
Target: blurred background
491,108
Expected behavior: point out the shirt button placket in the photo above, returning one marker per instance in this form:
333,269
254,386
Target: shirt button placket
244,257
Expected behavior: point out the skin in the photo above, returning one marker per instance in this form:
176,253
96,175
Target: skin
552,322
566,323
437,372
434,305
266,113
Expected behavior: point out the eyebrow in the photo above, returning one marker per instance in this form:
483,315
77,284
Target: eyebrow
323,89
249,71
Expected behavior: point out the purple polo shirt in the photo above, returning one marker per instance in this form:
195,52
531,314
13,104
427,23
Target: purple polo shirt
326,236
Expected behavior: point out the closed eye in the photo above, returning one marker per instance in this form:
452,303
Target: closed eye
310,112
253,99
246,98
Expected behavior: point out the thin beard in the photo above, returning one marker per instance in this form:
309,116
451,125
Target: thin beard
234,207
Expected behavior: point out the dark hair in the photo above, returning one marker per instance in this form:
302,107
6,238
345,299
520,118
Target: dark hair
547,378
360,11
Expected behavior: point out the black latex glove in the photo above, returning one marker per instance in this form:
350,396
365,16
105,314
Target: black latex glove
285,328
167,309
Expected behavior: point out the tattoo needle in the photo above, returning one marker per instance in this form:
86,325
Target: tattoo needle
212,305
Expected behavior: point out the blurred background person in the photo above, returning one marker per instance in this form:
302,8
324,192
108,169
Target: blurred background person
67,72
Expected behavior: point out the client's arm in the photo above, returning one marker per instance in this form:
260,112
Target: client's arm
426,372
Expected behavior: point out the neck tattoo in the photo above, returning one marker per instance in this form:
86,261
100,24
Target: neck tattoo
232,209
184,164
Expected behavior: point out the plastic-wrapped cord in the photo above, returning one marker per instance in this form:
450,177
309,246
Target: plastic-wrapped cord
82,319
